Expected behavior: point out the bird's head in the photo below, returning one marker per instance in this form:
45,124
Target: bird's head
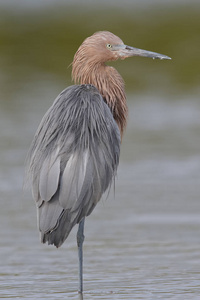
104,46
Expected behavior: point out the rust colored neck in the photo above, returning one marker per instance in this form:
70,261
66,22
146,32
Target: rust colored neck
109,83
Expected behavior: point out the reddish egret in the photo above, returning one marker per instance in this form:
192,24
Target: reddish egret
74,155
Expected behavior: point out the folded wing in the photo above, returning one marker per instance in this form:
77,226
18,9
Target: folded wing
73,160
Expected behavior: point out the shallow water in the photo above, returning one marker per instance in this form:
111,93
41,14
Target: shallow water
142,243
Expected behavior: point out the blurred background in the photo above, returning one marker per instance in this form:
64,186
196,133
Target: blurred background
148,231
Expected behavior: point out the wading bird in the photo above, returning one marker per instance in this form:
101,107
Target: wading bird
74,155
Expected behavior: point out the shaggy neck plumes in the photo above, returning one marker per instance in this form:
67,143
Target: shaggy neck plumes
107,80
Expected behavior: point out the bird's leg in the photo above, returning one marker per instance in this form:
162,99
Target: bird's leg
80,239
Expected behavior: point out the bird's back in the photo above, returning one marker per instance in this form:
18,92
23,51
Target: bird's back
72,160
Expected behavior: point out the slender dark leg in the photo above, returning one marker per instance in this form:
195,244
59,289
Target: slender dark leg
80,239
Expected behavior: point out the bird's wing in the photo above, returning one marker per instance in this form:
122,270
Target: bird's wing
73,159
49,176
49,214
73,179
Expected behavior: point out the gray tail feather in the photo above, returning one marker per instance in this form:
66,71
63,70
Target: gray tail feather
59,234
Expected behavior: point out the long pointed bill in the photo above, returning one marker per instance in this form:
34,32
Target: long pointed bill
128,51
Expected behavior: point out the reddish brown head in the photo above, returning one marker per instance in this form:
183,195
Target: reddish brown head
89,67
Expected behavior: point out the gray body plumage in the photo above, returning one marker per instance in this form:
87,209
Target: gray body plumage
72,160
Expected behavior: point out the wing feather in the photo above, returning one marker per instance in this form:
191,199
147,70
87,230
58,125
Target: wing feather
49,214
72,160
49,176
72,180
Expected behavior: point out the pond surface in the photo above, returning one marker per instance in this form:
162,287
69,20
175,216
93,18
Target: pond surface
142,243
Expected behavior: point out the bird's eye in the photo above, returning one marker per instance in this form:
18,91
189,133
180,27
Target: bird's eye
109,46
